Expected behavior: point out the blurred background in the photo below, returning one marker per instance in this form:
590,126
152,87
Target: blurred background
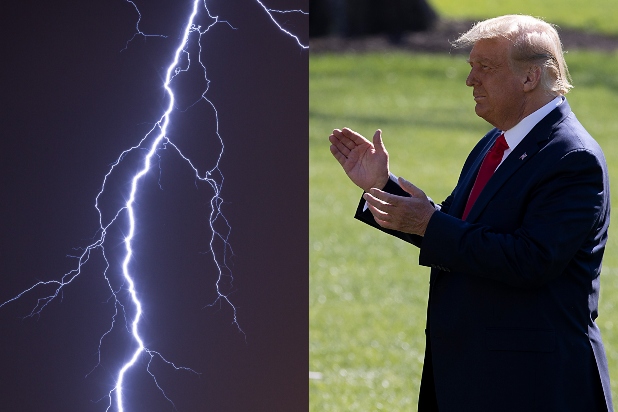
389,65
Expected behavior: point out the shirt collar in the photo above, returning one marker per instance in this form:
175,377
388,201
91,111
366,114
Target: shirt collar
516,134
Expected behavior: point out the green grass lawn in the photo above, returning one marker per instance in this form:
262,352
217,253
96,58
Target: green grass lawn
594,15
367,292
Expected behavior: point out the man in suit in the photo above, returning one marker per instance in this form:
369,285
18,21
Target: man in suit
516,249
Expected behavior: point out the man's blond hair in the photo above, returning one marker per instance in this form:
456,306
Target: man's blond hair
534,42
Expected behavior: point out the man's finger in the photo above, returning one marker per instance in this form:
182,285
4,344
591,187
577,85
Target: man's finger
339,145
345,139
357,138
377,213
375,201
337,154
385,197
410,188
383,223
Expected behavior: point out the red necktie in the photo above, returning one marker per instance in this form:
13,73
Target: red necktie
488,167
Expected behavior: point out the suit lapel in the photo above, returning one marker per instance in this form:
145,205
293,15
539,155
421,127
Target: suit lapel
467,181
522,153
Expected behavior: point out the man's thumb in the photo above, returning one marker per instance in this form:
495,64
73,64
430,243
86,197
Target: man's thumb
377,141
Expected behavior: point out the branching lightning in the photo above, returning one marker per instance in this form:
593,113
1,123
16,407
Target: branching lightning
156,139
270,11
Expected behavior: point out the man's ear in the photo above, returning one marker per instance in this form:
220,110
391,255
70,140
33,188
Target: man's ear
532,79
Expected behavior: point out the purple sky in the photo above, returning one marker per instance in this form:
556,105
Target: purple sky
71,103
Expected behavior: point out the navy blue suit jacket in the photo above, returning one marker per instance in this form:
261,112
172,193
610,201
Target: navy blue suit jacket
514,289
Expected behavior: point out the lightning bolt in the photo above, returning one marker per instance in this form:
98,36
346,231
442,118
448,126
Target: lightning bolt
270,13
156,139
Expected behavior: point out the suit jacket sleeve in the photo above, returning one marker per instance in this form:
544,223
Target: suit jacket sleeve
364,215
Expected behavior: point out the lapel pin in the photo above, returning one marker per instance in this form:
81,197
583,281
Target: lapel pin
522,157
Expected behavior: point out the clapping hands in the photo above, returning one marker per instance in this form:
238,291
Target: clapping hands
365,163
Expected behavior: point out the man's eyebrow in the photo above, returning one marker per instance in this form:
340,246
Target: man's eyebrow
482,60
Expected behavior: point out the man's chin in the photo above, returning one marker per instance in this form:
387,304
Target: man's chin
483,113
480,110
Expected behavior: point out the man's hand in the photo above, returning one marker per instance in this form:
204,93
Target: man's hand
365,163
405,214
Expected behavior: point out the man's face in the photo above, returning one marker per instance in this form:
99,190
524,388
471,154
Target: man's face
497,90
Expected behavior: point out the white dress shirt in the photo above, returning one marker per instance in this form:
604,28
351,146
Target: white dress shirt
515,135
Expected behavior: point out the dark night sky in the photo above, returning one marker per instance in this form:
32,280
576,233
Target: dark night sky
71,103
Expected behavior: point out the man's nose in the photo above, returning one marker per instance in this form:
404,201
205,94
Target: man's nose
471,80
